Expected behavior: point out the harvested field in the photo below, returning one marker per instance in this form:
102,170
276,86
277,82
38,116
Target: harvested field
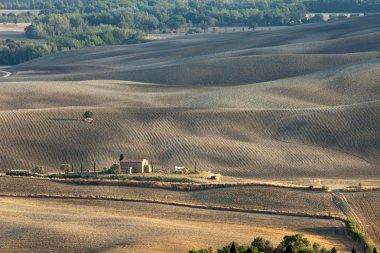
277,104
87,226
367,205
262,198
243,149
285,105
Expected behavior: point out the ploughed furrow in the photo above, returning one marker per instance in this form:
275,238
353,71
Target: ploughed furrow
249,143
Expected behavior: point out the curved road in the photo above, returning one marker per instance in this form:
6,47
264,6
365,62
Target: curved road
5,74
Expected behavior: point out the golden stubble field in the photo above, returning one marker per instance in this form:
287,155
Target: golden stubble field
102,226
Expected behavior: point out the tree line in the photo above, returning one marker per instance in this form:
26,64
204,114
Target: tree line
150,15
12,52
290,244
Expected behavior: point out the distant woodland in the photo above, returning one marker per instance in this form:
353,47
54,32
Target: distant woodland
73,24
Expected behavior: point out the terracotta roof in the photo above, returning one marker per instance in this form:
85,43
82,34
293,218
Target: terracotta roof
132,161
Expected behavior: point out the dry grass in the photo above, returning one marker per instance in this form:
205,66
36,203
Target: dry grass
11,27
107,227
258,198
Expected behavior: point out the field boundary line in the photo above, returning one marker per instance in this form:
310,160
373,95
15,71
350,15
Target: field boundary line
179,204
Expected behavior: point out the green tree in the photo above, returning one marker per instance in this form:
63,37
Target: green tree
65,167
88,114
333,250
260,243
115,169
290,249
353,250
374,250
297,240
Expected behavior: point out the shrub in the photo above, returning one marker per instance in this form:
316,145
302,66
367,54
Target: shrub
66,167
39,170
115,169
358,235
88,114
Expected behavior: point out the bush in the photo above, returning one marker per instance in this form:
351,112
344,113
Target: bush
88,114
39,170
115,169
66,167
358,235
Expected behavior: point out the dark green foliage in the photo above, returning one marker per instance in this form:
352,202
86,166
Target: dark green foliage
234,248
298,241
88,114
208,250
356,234
252,249
353,250
262,245
12,52
290,249
153,179
374,250
290,244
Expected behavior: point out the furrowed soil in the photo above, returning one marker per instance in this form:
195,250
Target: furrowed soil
290,104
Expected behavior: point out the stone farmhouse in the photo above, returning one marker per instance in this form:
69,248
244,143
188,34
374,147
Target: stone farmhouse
135,166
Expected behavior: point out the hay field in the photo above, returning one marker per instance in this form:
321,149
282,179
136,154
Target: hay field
278,104
103,226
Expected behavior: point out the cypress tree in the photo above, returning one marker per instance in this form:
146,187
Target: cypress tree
333,250
374,250
233,248
353,250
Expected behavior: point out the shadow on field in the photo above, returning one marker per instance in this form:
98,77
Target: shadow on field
64,119
318,230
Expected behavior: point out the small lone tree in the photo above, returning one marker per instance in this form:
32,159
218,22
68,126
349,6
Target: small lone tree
115,169
65,167
88,114
121,157
374,250
353,250
333,250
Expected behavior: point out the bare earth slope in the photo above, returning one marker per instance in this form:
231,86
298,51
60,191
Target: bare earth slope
299,102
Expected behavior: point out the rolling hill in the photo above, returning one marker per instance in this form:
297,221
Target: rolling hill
297,102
